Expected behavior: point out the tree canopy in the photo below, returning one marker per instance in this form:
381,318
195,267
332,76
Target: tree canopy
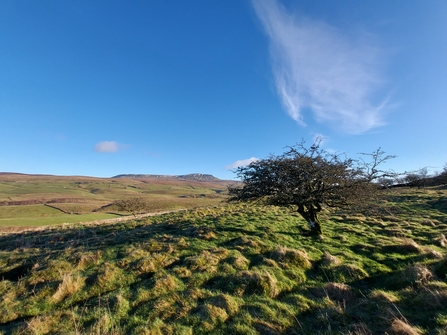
134,205
310,178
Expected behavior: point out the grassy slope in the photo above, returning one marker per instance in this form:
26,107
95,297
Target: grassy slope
234,270
83,195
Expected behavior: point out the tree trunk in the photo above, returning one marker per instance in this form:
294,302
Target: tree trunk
310,216
314,225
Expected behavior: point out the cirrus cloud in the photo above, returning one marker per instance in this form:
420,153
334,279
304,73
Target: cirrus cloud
323,69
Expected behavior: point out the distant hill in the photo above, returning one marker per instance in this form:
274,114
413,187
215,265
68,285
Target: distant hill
44,200
189,177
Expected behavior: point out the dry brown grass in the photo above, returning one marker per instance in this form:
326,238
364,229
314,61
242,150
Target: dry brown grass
340,292
40,325
182,271
399,327
205,261
146,265
8,300
432,296
208,236
89,258
152,262
428,222
288,256
432,253
110,277
212,316
71,283
243,243
329,260
227,302
442,240
409,245
259,282
239,262
166,283
51,271
383,296
412,276
359,329
418,274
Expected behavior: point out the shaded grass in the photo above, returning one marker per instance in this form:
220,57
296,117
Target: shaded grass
231,270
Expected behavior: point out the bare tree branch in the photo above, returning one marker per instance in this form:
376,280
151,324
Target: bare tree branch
310,178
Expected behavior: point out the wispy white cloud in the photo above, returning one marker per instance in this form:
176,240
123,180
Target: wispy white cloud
317,67
107,146
242,162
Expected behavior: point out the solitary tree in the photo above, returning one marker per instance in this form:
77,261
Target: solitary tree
411,179
134,205
309,179
417,178
386,182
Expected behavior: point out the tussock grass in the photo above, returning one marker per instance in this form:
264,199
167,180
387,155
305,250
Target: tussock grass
71,283
408,245
233,270
417,274
431,253
288,256
41,324
400,327
259,282
238,261
383,296
211,316
413,276
442,240
433,296
329,260
344,273
340,292
227,302
88,258
110,277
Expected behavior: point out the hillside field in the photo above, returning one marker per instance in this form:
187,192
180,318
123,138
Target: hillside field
234,269
36,200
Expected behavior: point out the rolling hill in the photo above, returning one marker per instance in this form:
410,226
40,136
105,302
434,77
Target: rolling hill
234,269
45,199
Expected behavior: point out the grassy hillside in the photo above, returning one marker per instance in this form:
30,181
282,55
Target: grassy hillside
34,200
234,270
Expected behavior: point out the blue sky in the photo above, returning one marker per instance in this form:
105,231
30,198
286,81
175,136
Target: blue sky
101,88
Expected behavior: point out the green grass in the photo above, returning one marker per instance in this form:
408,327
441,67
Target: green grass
20,188
234,270
41,215
80,199
49,221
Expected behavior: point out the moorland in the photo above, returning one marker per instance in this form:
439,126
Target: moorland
220,268
38,200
